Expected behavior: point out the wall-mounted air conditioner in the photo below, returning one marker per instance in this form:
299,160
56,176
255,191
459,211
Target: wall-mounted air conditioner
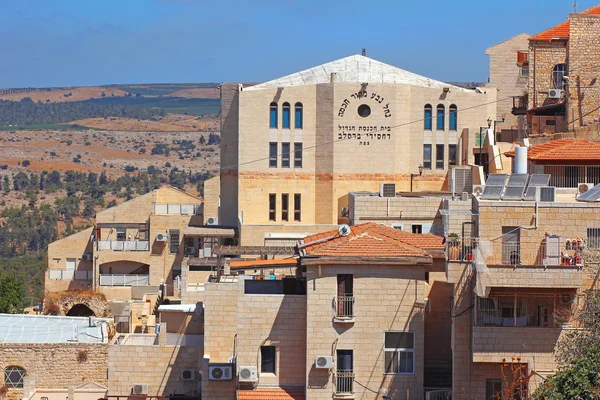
387,190
161,237
220,372
140,388
555,93
188,375
248,374
324,362
212,221
87,257
478,190
583,187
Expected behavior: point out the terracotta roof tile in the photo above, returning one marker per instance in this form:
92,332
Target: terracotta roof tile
563,150
271,394
373,240
562,30
262,263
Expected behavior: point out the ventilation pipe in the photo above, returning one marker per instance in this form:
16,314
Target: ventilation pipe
520,163
333,77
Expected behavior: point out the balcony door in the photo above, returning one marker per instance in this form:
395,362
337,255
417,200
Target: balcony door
511,248
344,371
345,292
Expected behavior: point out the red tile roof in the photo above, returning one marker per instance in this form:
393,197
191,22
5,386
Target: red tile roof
263,263
562,30
563,150
271,394
373,240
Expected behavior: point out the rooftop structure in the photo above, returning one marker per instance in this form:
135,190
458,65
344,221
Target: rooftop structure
562,30
20,328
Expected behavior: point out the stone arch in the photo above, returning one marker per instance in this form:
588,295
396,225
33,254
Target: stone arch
80,310
63,303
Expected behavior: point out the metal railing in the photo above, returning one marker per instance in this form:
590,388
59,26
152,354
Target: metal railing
438,393
69,275
344,306
568,176
177,209
460,249
123,245
124,280
344,382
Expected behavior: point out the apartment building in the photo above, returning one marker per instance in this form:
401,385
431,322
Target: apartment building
346,318
563,70
294,147
135,248
517,283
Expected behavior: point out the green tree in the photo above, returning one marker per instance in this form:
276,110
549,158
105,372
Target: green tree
11,294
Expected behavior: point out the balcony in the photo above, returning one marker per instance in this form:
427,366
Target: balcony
123,245
124,280
460,250
343,307
344,382
520,105
177,209
69,275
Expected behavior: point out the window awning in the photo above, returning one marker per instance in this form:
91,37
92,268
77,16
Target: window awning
205,231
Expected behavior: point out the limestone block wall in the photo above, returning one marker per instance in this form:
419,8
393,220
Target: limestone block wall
543,56
212,197
229,153
70,247
254,235
538,277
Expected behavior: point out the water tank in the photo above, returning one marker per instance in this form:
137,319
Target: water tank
520,165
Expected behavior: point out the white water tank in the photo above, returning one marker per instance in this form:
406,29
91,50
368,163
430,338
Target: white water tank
520,165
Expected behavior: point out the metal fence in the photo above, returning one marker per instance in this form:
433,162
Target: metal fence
69,275
123,245
438,393
568,176
124,280
460,249
344,382
344,306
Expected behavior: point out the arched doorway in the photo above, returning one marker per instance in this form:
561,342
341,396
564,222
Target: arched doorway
80,310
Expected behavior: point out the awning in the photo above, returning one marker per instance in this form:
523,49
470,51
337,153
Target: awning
257,264
273,393
183,308
205,231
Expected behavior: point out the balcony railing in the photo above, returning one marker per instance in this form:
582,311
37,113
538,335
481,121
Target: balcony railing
123,245
344,307
124,280
460,249
438,393
344,382
177,209
69,275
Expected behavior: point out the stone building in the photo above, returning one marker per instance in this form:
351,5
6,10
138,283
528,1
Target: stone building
294,147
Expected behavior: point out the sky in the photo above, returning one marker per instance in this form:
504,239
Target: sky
50,43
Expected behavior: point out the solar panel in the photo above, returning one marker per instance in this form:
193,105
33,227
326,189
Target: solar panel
492,192
496,180
530,193
518,180
591,195
513,193
539,180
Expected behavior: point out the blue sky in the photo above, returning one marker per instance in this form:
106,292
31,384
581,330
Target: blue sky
46,43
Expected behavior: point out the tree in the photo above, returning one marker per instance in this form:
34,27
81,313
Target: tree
11,294
26,163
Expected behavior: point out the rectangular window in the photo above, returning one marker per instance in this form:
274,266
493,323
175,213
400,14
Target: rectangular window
173,241
428,118
298,117
439,156
344,374
593,238
272,206
399,348
298,155
267,359
297,207
511,248
285,155
427,156
493,389
416,228
71,264
285,204
286,116
451,154
345,299
121,234
273,155
524,72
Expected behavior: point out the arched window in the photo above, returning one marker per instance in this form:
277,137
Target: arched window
13,376
557,75
441,117
428,117
298,116
273,116
453,117
286,116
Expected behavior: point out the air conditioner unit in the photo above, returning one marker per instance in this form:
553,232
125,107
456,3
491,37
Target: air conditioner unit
478,190
387,190
220,372
248,374
140,388
555,93
161,237
87,257
547,193
583,187
324,362
188,375
212,220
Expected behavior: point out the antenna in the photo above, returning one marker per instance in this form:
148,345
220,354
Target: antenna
344,230
363,52
575,6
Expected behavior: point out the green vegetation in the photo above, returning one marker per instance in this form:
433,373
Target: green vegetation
11,294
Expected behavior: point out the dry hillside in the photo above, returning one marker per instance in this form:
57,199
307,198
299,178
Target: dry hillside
58,95
169,123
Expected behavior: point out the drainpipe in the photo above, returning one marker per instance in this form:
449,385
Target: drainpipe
534,76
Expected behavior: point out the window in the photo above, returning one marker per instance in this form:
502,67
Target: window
297,207
557,75
439,156
364,110
427,156
298,155
272,206
345,299
593,238
416,228
71,264
493,389
441,117
428,117
13,376
120,234
511,249
173,241
267,359
344,374
272,155
273,116
285,155
451,154
399,350
524,72
285,204
298,116
286,116
453,117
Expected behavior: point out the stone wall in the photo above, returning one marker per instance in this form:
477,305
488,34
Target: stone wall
543,56
212,197
70,247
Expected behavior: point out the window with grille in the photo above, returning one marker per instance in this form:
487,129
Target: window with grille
524,72
399,348
593,238
13,376
297,207
273,155
439,156
427,156
173,241
452,154
285,200
298,155
272,206
285,155
558,72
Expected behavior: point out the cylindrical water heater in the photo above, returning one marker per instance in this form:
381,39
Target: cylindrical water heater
520,166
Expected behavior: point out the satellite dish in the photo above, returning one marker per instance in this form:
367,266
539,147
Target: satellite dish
344,230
